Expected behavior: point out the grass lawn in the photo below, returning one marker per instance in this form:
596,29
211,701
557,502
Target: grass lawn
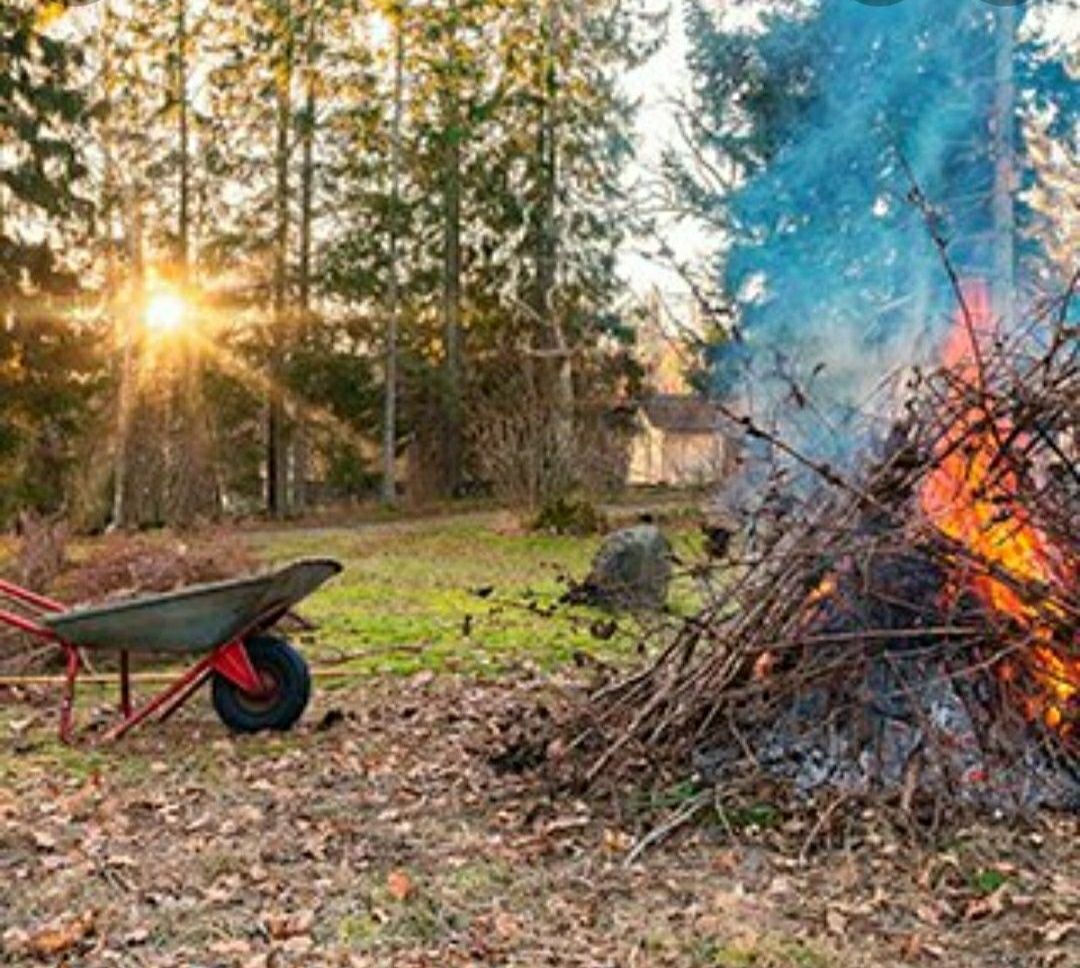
408,598
466,593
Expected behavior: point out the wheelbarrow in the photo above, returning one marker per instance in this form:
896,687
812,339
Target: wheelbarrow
259,681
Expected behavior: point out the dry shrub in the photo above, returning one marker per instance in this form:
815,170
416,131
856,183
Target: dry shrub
42,553
534,456
567,515
120,565
527,456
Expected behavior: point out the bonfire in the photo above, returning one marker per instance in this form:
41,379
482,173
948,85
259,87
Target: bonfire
912,631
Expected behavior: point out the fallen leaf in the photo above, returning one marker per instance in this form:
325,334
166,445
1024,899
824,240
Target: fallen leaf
299,945
835,922
506,926
15,940
986,907
725,862
1054,933
136,937
230,948
281,927
617,841
928,914
43,841
400,885
58,938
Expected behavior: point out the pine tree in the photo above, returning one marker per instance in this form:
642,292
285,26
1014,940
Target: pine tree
50,372
451,83
384,260
564,210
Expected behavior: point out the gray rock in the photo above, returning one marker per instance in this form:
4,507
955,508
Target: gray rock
632,570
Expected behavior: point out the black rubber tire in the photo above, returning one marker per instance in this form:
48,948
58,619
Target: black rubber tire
275,659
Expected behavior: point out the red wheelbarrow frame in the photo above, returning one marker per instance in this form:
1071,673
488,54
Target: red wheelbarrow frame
229,660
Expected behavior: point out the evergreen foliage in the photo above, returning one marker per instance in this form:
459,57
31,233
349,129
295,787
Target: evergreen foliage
50,369
239,155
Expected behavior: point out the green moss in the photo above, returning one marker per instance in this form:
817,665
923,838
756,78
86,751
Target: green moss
42,752
358,930
987,880
766,952
451,594
762,816
382,921
479,881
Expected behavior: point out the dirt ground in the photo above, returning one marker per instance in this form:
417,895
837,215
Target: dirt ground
379,833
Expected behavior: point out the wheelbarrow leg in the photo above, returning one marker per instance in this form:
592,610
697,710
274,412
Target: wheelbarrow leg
230,660
125,684
67,702
181,696
174,695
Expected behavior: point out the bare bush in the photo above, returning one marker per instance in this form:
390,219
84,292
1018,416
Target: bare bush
42,550
526,455
532,454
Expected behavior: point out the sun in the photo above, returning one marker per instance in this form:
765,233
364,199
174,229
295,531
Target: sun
165,313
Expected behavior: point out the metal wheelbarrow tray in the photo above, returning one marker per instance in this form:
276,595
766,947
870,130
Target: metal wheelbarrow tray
259,680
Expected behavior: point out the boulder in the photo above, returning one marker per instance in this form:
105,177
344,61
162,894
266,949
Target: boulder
632,570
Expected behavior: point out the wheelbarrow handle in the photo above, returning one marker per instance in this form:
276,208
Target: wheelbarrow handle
27,597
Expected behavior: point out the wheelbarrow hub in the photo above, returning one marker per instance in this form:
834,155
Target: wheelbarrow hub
233,662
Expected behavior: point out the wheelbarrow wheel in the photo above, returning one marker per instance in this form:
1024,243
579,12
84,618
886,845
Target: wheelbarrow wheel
288,687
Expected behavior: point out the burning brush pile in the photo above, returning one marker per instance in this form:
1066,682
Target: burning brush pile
914,632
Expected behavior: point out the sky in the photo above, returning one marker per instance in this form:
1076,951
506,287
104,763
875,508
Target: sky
655,85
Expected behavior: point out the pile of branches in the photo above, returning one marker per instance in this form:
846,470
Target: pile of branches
860,642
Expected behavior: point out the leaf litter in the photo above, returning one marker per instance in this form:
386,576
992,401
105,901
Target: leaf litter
390,829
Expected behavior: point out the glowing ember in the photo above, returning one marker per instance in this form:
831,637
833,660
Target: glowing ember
973,499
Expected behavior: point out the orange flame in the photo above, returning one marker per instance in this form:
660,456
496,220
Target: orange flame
973,498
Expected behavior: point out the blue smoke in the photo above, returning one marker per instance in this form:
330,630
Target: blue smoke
836,277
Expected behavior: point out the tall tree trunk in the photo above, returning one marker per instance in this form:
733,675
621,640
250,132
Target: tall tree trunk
120,314
307,199
1004,148
183,217
276,467
547,252
389,449
453,436
125,508
190,493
